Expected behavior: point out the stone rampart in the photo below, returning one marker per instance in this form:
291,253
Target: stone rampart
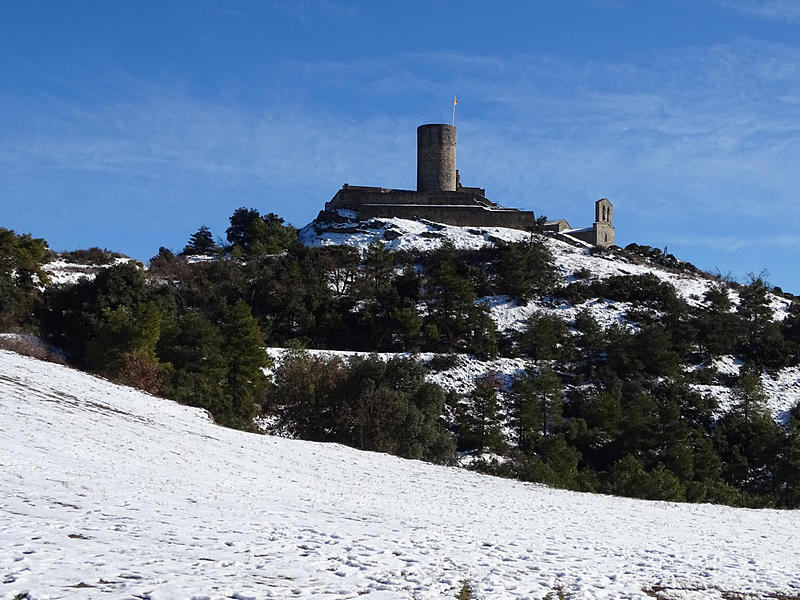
353,197
462,208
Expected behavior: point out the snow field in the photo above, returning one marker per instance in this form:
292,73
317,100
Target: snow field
109,492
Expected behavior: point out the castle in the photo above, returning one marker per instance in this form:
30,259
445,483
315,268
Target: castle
440,197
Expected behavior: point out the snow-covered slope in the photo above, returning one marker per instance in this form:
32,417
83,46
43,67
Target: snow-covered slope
570,257
108,492
404,234
62,271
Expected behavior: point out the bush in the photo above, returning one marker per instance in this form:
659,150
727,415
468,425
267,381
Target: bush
658,257
91,256
582,273
442,362
369,403
525,269
29,345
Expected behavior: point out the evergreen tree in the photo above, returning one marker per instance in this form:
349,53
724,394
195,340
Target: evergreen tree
378,269
240,221
253,235
750,442
201,242
590,338
303,394
556,464
538,399
21,260
791,461
243,345
372,404
545,337
525,269
479,417
717,325
125,346
460,323
451,296
762,342
639,427
192,346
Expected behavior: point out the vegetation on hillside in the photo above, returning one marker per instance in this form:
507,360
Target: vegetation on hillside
613,410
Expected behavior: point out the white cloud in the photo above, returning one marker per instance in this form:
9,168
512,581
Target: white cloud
691,133
781,10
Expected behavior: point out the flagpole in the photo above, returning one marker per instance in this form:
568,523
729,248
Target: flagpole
454,111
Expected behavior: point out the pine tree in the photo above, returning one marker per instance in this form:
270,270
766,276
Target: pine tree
201,242
378,269
762,342
243,345
749,440
545,337
791,461
124,347
451,296
538,399
21,273
192,345
240,221
479,417
716,324
590,338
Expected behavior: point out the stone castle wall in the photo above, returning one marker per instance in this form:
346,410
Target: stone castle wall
440,197
463,208
353,197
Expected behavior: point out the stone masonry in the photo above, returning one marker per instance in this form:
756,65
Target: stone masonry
440,197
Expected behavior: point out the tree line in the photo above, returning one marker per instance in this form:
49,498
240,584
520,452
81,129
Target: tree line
609,409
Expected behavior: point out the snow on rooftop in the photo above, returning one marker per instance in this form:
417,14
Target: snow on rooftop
109,492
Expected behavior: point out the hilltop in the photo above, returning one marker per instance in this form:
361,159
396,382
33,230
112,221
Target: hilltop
576,262
529,355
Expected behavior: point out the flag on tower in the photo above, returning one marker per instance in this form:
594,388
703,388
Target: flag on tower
455,100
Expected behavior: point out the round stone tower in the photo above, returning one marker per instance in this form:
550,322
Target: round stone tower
436,158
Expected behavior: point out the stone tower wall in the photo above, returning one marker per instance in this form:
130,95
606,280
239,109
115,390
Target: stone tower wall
603,211
603,234
436,158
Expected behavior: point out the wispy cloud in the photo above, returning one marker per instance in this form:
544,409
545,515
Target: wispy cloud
781,10
730,243
307,10
708,135
714,128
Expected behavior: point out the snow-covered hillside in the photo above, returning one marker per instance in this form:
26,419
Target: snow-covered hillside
782,390
61,271
108,492
570,257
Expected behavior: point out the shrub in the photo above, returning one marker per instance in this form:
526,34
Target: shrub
368,403
443,362
142,372
28,345
466,592
658,257
91,256
582,273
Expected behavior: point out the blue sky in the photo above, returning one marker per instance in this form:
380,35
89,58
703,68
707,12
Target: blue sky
129,124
